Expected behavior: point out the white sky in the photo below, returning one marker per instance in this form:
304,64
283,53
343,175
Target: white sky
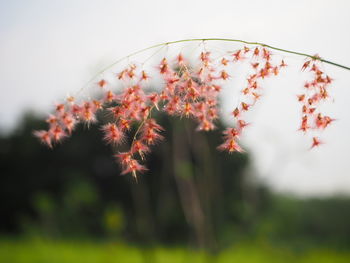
51,48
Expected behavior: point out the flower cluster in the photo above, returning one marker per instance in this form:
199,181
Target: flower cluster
315,92
189,89
261,67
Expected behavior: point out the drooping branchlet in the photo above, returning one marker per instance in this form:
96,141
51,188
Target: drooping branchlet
189,90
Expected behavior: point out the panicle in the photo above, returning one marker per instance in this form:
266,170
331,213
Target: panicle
189,89
315,94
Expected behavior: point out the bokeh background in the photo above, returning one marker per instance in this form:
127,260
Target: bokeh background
278,202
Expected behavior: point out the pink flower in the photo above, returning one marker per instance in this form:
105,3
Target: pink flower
44,137
230,145
112,134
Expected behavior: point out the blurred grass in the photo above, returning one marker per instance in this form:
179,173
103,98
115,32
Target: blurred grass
42,251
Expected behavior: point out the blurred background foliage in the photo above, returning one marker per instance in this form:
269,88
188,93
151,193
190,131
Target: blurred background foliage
192,196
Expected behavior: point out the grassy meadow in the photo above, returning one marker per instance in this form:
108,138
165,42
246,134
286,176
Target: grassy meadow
44,251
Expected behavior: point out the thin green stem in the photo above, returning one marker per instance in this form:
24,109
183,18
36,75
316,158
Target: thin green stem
315,57
141,125
135,137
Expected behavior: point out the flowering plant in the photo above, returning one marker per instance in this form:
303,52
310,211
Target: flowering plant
189,89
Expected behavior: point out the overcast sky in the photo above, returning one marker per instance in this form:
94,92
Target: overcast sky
51,48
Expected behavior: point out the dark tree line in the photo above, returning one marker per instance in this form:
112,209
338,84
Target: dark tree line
191,193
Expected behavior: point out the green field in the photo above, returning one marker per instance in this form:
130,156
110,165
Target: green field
42,251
